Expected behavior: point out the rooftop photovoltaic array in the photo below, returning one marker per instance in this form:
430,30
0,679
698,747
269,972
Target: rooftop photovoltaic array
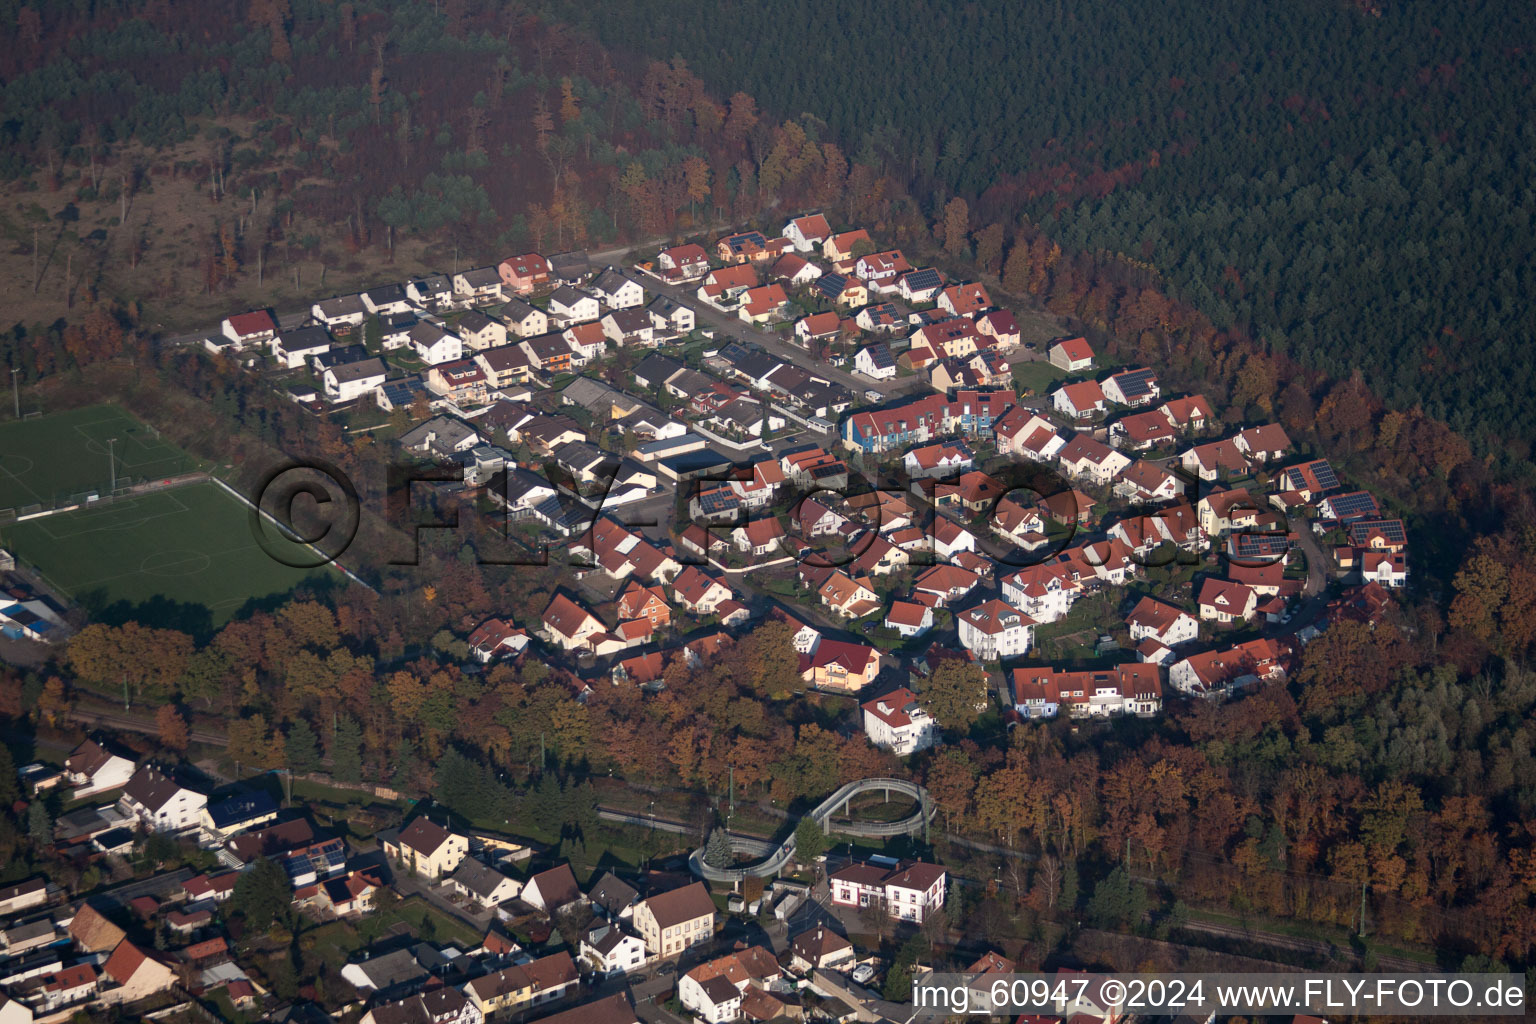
1135,382
1354,505
920,279
1391,529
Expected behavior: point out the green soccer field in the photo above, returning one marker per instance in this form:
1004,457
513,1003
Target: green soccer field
184,557
50,458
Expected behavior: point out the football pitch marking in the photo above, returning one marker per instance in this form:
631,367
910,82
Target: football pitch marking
6,461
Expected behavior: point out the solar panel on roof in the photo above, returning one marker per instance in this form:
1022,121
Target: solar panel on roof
1135,382
1354,505
1250,545
717,501
1326,479
1391,529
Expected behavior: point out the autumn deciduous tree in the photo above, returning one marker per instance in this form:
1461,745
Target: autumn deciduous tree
741,119
955,694
570,106
1016,270
54,703
171,727
957,224
989,248
252,745
951,781
149,660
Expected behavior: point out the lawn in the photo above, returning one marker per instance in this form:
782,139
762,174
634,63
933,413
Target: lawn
1037,376
186,557
47,459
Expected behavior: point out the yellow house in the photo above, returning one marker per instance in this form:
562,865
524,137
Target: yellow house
532,984
426,848
671,922
136,974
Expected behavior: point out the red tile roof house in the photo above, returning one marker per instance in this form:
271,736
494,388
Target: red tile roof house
1263,443
1079,401
964,299
1164,623
1134,688
1072,354
639,670
249,328
1210,461
840,247
908,618
522,274
817,327
947,583
807,233
759,305
760,537
838,665
1192,413
1217,671
569,625
898,723
993,631
496,637
909,892
699,593
683,262
1226,601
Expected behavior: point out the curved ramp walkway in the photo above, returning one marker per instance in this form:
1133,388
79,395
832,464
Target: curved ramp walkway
773,858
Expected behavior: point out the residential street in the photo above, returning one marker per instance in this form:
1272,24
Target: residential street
769,341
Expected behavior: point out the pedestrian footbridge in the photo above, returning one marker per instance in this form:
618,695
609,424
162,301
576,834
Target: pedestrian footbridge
771,856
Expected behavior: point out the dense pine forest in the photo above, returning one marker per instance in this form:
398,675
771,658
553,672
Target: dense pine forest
1350,183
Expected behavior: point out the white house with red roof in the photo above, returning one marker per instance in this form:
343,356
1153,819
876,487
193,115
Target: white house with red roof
1220,670
251,328
759,537
1148,482
569,625
699,592
808,233
1071,354
1263,443
759,305
494,638
994,630
1211,461
1043,592
1140,431
909,618
683,262
944,584
1079,401
940,459
965,299
817,327
1192,413
1133,688
908,892
1226,601
1162,622
1091,460
898,723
